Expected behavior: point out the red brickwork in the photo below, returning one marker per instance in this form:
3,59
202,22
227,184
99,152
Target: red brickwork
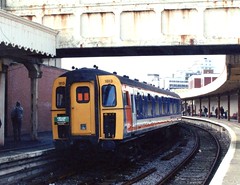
197,83
18,89
207,80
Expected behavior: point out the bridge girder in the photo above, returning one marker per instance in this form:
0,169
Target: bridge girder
228,49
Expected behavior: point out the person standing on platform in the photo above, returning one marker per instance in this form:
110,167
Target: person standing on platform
222,111
216,112
17,117
205,111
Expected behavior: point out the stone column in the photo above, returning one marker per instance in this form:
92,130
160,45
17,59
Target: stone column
218,116
192,109
200,107
228,112
34,72
2,104
34,108
209,107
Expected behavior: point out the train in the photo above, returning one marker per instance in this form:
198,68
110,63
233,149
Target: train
98,108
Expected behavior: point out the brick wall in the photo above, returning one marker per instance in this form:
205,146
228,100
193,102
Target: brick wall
18,89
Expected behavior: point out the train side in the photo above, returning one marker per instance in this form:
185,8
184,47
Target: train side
97,107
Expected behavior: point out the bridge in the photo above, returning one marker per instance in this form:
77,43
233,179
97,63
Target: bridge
123,23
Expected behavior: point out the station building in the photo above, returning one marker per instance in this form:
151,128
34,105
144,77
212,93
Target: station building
222,92
27,43
198,81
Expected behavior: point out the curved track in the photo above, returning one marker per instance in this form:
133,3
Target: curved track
200,168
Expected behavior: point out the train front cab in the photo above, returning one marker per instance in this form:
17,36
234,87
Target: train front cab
95,115
111,111
80,120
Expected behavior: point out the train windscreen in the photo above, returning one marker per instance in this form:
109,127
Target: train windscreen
60,97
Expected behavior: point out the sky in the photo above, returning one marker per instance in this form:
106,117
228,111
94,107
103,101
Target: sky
140,67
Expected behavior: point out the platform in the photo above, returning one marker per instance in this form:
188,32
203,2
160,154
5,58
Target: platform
26,145
228,171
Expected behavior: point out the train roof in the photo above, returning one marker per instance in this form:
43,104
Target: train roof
88,73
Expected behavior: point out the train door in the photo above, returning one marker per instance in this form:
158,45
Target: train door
134,111
111,107
82,108
128,110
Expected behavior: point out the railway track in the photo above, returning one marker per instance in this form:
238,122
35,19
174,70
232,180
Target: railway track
200,168
196,167
163,166
21,165
184,163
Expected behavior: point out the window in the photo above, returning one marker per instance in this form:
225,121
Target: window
83,94
132,100
109,95
60,97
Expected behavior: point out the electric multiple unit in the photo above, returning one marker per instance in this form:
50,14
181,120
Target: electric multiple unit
95,107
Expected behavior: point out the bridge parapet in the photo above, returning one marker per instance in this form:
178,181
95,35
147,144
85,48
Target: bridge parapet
88,23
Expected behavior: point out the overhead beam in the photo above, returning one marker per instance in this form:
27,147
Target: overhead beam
148,51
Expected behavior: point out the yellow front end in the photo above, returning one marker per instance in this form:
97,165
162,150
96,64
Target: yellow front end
110,108
82,109
60,122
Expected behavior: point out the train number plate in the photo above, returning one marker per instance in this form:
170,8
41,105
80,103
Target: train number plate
63,120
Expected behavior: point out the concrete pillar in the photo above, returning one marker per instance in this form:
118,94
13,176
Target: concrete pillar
2,105
228,112
34,108
209,107
192,113
218,116
34,72
185,113
200,107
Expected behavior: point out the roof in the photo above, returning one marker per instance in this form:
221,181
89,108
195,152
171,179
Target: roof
89,74
20,37
227,82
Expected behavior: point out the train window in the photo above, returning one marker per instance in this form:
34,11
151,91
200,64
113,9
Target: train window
124,98
60,97
149,97
82,94
163,106
109,95
160,106
149,105
132,100
157,109
168,105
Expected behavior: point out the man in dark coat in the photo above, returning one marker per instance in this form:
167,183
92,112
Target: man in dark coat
221,111
17,117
